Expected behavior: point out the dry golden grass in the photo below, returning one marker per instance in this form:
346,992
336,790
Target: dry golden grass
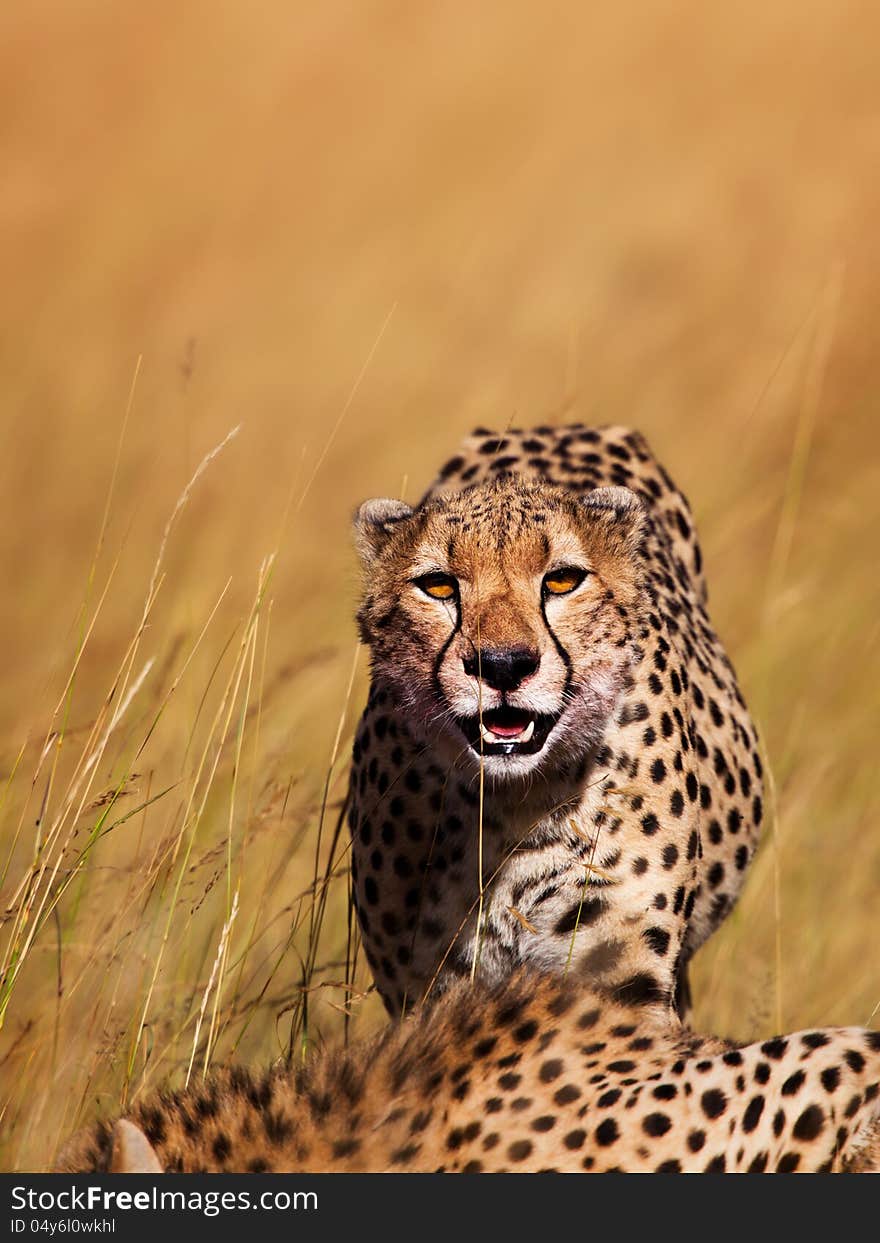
358,230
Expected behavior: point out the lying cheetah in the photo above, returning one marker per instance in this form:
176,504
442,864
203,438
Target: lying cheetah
532,1075
555,748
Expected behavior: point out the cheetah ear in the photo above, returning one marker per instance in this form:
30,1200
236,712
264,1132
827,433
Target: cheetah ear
621,508
373,523
616,525
619,501
132,1151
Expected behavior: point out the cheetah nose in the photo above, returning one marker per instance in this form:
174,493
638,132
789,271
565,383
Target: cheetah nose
502,668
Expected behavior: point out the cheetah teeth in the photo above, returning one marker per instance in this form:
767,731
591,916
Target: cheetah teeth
523,736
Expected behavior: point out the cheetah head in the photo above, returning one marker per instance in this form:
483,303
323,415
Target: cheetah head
502,616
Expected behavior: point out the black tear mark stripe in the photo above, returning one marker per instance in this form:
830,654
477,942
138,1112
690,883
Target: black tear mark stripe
563,654
441,655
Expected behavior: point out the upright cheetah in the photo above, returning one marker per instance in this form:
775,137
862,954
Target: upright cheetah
535,1074
555,764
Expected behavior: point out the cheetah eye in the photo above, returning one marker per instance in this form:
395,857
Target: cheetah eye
562,581
437,586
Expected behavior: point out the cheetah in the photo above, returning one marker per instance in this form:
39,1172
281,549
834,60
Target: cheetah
534,1074
555,764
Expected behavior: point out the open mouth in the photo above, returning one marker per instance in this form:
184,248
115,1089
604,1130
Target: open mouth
507,731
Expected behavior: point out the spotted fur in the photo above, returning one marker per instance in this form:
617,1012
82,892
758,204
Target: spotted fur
536,1074
621,844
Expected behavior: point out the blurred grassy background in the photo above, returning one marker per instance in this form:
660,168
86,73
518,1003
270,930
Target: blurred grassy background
357,230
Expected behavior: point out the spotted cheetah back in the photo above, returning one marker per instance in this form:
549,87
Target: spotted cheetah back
537,1074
